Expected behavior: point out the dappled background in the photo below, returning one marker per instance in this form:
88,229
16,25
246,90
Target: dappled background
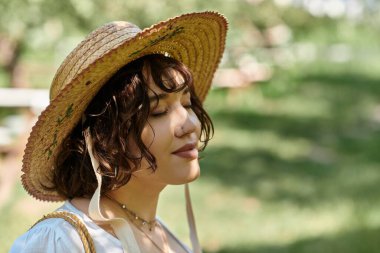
294,163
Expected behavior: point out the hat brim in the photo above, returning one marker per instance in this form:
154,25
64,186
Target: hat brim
196,39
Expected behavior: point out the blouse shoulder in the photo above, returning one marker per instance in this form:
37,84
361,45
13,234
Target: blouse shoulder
53,235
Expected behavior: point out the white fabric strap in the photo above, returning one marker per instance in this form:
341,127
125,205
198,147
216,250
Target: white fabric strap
191,220
120,226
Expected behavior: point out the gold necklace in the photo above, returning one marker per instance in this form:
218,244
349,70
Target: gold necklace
163,237
133,217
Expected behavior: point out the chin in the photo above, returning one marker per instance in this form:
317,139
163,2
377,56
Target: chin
191,175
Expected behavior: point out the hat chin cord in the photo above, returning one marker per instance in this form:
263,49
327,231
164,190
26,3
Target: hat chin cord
120,226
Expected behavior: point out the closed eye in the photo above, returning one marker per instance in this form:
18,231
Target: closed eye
160,113
157,114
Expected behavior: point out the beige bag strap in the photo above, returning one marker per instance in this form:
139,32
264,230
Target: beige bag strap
88,243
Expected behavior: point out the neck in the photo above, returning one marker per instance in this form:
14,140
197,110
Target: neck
138,197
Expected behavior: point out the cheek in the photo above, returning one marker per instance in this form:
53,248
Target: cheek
155,137
148,136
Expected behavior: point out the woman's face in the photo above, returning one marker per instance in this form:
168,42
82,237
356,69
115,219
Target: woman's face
172,136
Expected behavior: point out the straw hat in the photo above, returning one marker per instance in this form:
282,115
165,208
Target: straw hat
196,39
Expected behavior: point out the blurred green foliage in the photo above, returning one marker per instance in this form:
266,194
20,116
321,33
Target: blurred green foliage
37,27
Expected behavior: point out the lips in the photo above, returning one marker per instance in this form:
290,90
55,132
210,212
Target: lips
188,151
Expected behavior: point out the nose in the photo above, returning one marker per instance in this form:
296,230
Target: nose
187,122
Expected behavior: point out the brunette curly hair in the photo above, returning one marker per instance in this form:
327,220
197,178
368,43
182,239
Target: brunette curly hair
116,115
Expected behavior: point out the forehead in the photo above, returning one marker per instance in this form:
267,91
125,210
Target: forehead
169,77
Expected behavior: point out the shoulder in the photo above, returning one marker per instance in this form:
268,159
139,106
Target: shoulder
57,235
51,235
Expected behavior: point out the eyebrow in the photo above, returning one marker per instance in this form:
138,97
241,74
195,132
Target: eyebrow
157,97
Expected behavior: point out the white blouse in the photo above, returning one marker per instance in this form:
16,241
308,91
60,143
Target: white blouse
55,235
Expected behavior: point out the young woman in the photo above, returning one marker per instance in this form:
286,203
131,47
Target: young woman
125,120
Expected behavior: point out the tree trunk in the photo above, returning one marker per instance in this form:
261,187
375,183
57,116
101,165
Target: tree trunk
10,55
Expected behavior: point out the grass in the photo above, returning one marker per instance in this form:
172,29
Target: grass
293,167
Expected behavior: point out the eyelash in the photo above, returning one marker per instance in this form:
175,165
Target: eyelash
159,114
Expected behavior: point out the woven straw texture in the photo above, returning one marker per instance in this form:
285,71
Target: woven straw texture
80,227
196,39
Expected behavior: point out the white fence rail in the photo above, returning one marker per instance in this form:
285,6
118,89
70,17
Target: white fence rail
36,99
13,126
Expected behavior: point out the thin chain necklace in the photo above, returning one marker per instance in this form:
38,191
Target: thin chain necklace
163,237
133,217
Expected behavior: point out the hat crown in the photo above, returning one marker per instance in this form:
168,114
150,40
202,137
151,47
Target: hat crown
98,43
